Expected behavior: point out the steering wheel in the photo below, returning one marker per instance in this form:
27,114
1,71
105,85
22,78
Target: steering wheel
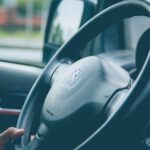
80,101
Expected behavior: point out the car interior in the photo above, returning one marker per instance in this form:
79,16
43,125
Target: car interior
88,88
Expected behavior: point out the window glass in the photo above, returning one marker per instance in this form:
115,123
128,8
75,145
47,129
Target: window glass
135,27
22,25
66,21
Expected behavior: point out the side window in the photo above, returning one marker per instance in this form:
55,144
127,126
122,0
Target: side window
22,25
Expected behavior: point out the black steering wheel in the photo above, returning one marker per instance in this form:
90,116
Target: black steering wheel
81,101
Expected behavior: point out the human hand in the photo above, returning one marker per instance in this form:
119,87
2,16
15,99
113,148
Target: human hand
8,135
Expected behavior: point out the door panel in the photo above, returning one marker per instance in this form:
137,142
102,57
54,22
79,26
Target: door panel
15,82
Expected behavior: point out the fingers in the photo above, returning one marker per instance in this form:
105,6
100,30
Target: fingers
10,133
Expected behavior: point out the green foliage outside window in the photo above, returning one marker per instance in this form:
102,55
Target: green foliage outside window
1,1
22,4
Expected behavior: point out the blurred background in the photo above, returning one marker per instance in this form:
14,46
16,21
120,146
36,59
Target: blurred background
24,20
22,24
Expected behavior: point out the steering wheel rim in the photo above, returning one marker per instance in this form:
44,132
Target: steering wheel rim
89,30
